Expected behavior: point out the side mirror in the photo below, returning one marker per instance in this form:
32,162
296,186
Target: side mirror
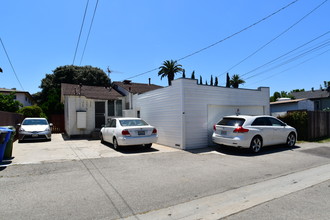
51,124
102,126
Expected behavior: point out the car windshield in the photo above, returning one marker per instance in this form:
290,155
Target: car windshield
132,122
232,122
35,122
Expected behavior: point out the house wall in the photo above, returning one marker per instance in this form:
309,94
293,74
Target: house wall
74,104
162,108
185,112
22,98
282,109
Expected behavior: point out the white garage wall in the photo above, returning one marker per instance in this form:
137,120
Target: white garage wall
162,109
185,112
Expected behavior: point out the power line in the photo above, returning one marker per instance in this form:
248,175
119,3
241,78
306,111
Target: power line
293,59
305,61
89,31
81,28
11,63
224,39
272,40
285,54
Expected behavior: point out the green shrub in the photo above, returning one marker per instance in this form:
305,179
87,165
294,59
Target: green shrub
298,120
32,111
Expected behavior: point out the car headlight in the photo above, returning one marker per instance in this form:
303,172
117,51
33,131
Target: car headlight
21,129
47,129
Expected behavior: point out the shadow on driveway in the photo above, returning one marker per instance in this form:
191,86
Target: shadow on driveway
245,152
132,149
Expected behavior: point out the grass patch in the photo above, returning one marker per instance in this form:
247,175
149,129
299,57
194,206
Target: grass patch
318,140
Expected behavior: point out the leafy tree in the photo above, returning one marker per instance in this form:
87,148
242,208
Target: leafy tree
8,103
211,82
235,81
32,111
200,80
183,73
193,74
206,82
227,81
216,81
169,69
49,97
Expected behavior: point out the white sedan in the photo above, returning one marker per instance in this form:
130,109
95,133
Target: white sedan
128,131
253,132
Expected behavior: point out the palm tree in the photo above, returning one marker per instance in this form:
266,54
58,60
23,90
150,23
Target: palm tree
169,69
235,81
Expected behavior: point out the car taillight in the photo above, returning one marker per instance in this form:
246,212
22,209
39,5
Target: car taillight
154,131
240,129
125,132
215,127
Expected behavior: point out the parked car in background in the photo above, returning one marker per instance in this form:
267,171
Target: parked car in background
34,129
253,132
128,131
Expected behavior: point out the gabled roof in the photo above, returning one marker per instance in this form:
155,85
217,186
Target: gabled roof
91,92
137,88
287,101
3,90
316,94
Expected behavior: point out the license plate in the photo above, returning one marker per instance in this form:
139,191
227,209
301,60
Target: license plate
141,132
223,132
34,135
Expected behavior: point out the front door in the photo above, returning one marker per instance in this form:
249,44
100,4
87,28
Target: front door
99,114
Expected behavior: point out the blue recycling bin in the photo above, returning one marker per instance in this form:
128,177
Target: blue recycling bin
5,134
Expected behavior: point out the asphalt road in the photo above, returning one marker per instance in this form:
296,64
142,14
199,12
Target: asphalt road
82,179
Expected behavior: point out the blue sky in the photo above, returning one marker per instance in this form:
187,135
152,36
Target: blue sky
133,37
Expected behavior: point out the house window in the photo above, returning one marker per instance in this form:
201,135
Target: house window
115,108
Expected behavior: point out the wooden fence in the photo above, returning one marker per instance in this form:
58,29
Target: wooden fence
58,123
10,118
318,124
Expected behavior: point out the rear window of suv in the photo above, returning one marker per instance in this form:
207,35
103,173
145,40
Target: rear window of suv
232,121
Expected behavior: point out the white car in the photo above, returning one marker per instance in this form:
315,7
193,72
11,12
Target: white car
34,128
128,131
253,132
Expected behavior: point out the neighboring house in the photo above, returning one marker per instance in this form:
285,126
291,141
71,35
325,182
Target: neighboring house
87,108
185,112
282,106
128,89
22,96
320,98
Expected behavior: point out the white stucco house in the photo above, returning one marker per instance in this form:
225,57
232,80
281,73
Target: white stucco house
87,108
22,96
185,112
282,106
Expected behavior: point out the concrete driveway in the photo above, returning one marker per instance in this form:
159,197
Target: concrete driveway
62,149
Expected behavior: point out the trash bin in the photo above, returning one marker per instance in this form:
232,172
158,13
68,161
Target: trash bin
9,147
5,134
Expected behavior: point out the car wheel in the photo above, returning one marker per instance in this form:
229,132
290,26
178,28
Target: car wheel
101,137
256,144
115,144
147,146
291,140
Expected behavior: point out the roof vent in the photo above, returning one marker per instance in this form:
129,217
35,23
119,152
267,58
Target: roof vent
127,81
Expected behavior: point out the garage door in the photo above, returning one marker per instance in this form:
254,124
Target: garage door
216,112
